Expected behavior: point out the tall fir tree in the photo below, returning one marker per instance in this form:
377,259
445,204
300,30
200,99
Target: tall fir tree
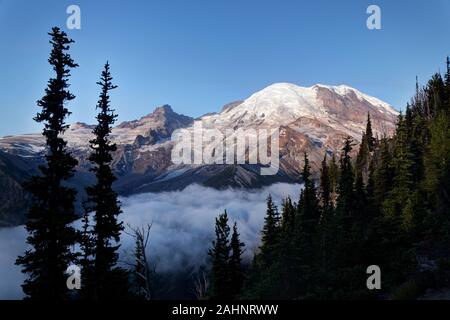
50,234
270,232
220,252
236,271
306,230
308,215
383,172
87,247
345,205
369,134
325,185
333,170
103,199
326,246
402,164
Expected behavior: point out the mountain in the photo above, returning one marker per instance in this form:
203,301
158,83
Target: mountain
309,119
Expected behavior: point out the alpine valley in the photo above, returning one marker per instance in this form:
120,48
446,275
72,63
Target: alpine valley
312,119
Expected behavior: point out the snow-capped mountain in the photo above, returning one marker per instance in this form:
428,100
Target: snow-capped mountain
342,108
310,119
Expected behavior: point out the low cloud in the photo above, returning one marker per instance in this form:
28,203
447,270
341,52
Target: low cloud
182,231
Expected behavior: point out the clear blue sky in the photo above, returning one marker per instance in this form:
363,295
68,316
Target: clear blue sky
198,55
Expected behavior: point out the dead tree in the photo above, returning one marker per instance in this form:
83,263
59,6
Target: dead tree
142,271
201,286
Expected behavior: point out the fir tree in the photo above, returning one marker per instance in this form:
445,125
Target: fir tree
308,214
106,230
236,269
325,185
305,235
369,134
270,233
327,227
87,247
333,170
50,234
437,161
383,173
402,168
220,253
345,205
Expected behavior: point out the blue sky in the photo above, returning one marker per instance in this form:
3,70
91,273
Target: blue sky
198,55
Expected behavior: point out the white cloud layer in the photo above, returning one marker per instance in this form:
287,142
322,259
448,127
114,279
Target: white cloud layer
183,227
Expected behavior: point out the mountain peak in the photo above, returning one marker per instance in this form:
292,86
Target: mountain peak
163,109
311,99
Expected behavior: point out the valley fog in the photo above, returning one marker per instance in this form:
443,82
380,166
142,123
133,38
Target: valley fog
182,231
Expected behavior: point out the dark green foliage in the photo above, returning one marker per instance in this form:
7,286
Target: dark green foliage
270,232
345,206
390,207
103,199
50,234
87,247
306,227
236,271
220,257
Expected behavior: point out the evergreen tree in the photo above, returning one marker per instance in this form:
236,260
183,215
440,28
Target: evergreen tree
325,185
270,233
345,206
333,170
369,134
236,269
50,234
327,240
87,247
266,271
435,93
220,253
437,161
383,173
397,227
308,215
446,101
402,168
288,216
106,207
305,234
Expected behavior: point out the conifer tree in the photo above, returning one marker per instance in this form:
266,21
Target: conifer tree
345,205
305,234
326,226
220,253
369,134
446,100
288,216
325,185
308,215
383,173
437,161
270,232
236,269
87,247
402,164
333,170
50,234
105,205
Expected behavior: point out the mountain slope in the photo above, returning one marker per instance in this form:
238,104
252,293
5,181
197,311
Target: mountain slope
310,119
